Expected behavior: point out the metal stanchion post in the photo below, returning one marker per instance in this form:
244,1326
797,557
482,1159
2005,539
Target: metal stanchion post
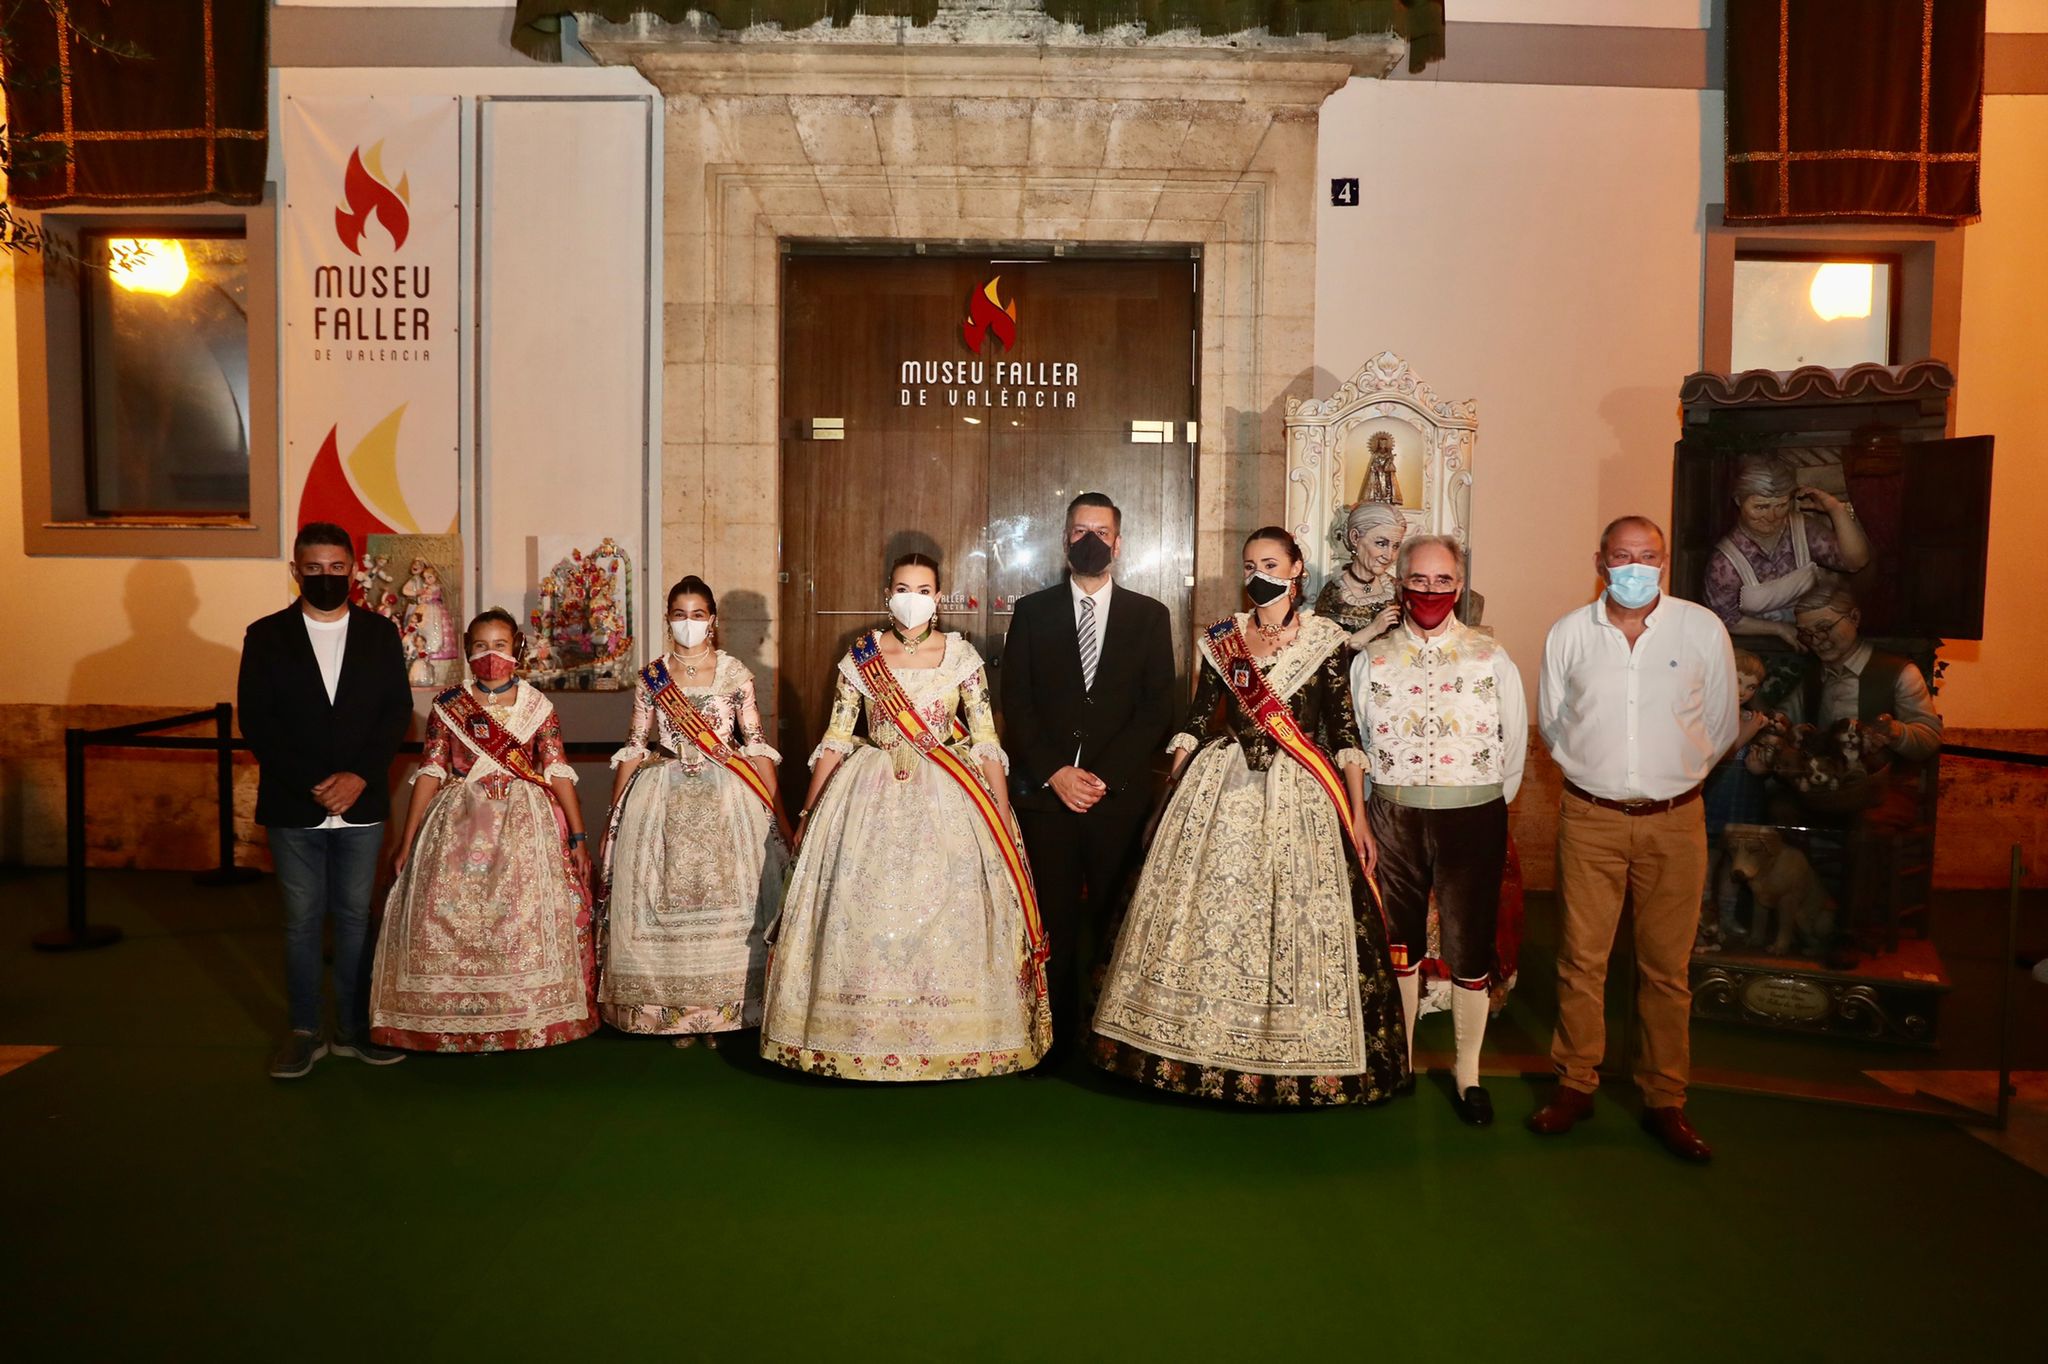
227,873
2012,938
77,934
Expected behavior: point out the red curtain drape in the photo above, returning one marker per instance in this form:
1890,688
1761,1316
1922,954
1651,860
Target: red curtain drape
165,102
1847,109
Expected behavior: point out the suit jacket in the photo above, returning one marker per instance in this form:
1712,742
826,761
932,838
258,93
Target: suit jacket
300,738
1119,725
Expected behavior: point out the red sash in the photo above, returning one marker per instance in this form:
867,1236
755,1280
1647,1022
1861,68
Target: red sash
699,732
889,698
1258,700
474,725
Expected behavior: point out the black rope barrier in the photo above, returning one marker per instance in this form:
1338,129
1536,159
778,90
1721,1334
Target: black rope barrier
79,932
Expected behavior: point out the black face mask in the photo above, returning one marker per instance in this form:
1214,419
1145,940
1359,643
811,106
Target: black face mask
325,591
1264,589
1089,555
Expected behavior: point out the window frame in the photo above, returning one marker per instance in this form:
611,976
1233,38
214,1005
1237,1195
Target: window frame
1893,261
52,383
1928,299
229,228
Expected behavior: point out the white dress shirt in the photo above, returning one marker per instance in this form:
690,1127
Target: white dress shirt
1101,598
330,641
1647,723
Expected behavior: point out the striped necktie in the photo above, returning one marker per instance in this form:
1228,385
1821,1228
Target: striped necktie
1091,651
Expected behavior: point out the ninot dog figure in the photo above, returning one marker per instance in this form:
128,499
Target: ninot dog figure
1785,888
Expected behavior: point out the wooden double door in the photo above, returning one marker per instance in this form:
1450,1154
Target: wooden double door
953,405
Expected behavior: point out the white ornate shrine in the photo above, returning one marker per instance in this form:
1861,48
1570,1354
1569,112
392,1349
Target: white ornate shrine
1383,411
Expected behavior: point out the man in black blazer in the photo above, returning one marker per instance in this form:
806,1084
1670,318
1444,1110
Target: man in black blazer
1088,693
324,704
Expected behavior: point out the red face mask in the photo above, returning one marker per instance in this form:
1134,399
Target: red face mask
492,668
1427,609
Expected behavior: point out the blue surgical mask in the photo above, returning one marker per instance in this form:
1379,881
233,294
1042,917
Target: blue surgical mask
1632,585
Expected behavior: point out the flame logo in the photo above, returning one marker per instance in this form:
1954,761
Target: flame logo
370,196
987,313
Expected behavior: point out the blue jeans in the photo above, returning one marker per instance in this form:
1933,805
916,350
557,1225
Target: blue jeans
327,874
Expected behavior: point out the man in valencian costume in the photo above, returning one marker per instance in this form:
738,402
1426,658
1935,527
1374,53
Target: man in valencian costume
1442,716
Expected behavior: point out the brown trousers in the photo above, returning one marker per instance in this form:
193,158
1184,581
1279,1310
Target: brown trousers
1660,863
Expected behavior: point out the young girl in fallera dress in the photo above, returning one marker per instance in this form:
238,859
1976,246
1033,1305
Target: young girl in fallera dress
486,943
908,946
696,854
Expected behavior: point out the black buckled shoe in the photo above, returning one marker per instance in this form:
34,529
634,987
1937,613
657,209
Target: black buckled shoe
1474,1107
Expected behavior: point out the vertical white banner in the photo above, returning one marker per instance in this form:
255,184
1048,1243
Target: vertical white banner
369,264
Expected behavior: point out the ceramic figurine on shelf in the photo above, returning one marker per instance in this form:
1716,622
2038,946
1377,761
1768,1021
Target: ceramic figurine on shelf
1382,480
372,570
582,629
419,668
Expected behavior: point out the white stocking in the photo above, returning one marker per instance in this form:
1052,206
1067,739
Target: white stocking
1469,1009
1410,986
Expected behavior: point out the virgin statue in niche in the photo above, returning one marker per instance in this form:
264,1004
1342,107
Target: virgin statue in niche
1382,480
1786,541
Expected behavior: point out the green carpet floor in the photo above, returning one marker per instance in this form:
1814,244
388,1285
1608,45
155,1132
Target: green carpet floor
618,1198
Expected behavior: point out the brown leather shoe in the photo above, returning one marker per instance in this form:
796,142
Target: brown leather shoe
1671,1128
1567,1108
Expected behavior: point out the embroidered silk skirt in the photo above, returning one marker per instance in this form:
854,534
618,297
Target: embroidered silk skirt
486,943
1252,965
697,868
901,952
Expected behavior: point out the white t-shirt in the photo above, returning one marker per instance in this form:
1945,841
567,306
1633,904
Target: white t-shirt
330,641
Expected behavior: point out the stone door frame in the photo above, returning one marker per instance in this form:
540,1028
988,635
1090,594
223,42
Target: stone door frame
765,144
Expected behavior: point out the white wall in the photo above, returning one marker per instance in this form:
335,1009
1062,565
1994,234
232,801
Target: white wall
563,272
1537,248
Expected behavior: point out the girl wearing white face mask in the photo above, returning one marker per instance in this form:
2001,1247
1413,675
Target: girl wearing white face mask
908,946
694,861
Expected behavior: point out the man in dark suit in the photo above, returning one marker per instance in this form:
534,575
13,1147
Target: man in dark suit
1088,700
324,703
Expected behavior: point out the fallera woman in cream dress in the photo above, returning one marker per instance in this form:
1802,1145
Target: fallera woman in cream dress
904,951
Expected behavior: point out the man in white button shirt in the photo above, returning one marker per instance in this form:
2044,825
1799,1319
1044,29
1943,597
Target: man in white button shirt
1637,703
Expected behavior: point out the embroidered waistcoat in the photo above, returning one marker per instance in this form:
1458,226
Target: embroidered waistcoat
1434,709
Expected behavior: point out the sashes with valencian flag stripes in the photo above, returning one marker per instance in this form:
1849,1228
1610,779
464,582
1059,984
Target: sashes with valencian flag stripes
698,730
467,719
891,700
